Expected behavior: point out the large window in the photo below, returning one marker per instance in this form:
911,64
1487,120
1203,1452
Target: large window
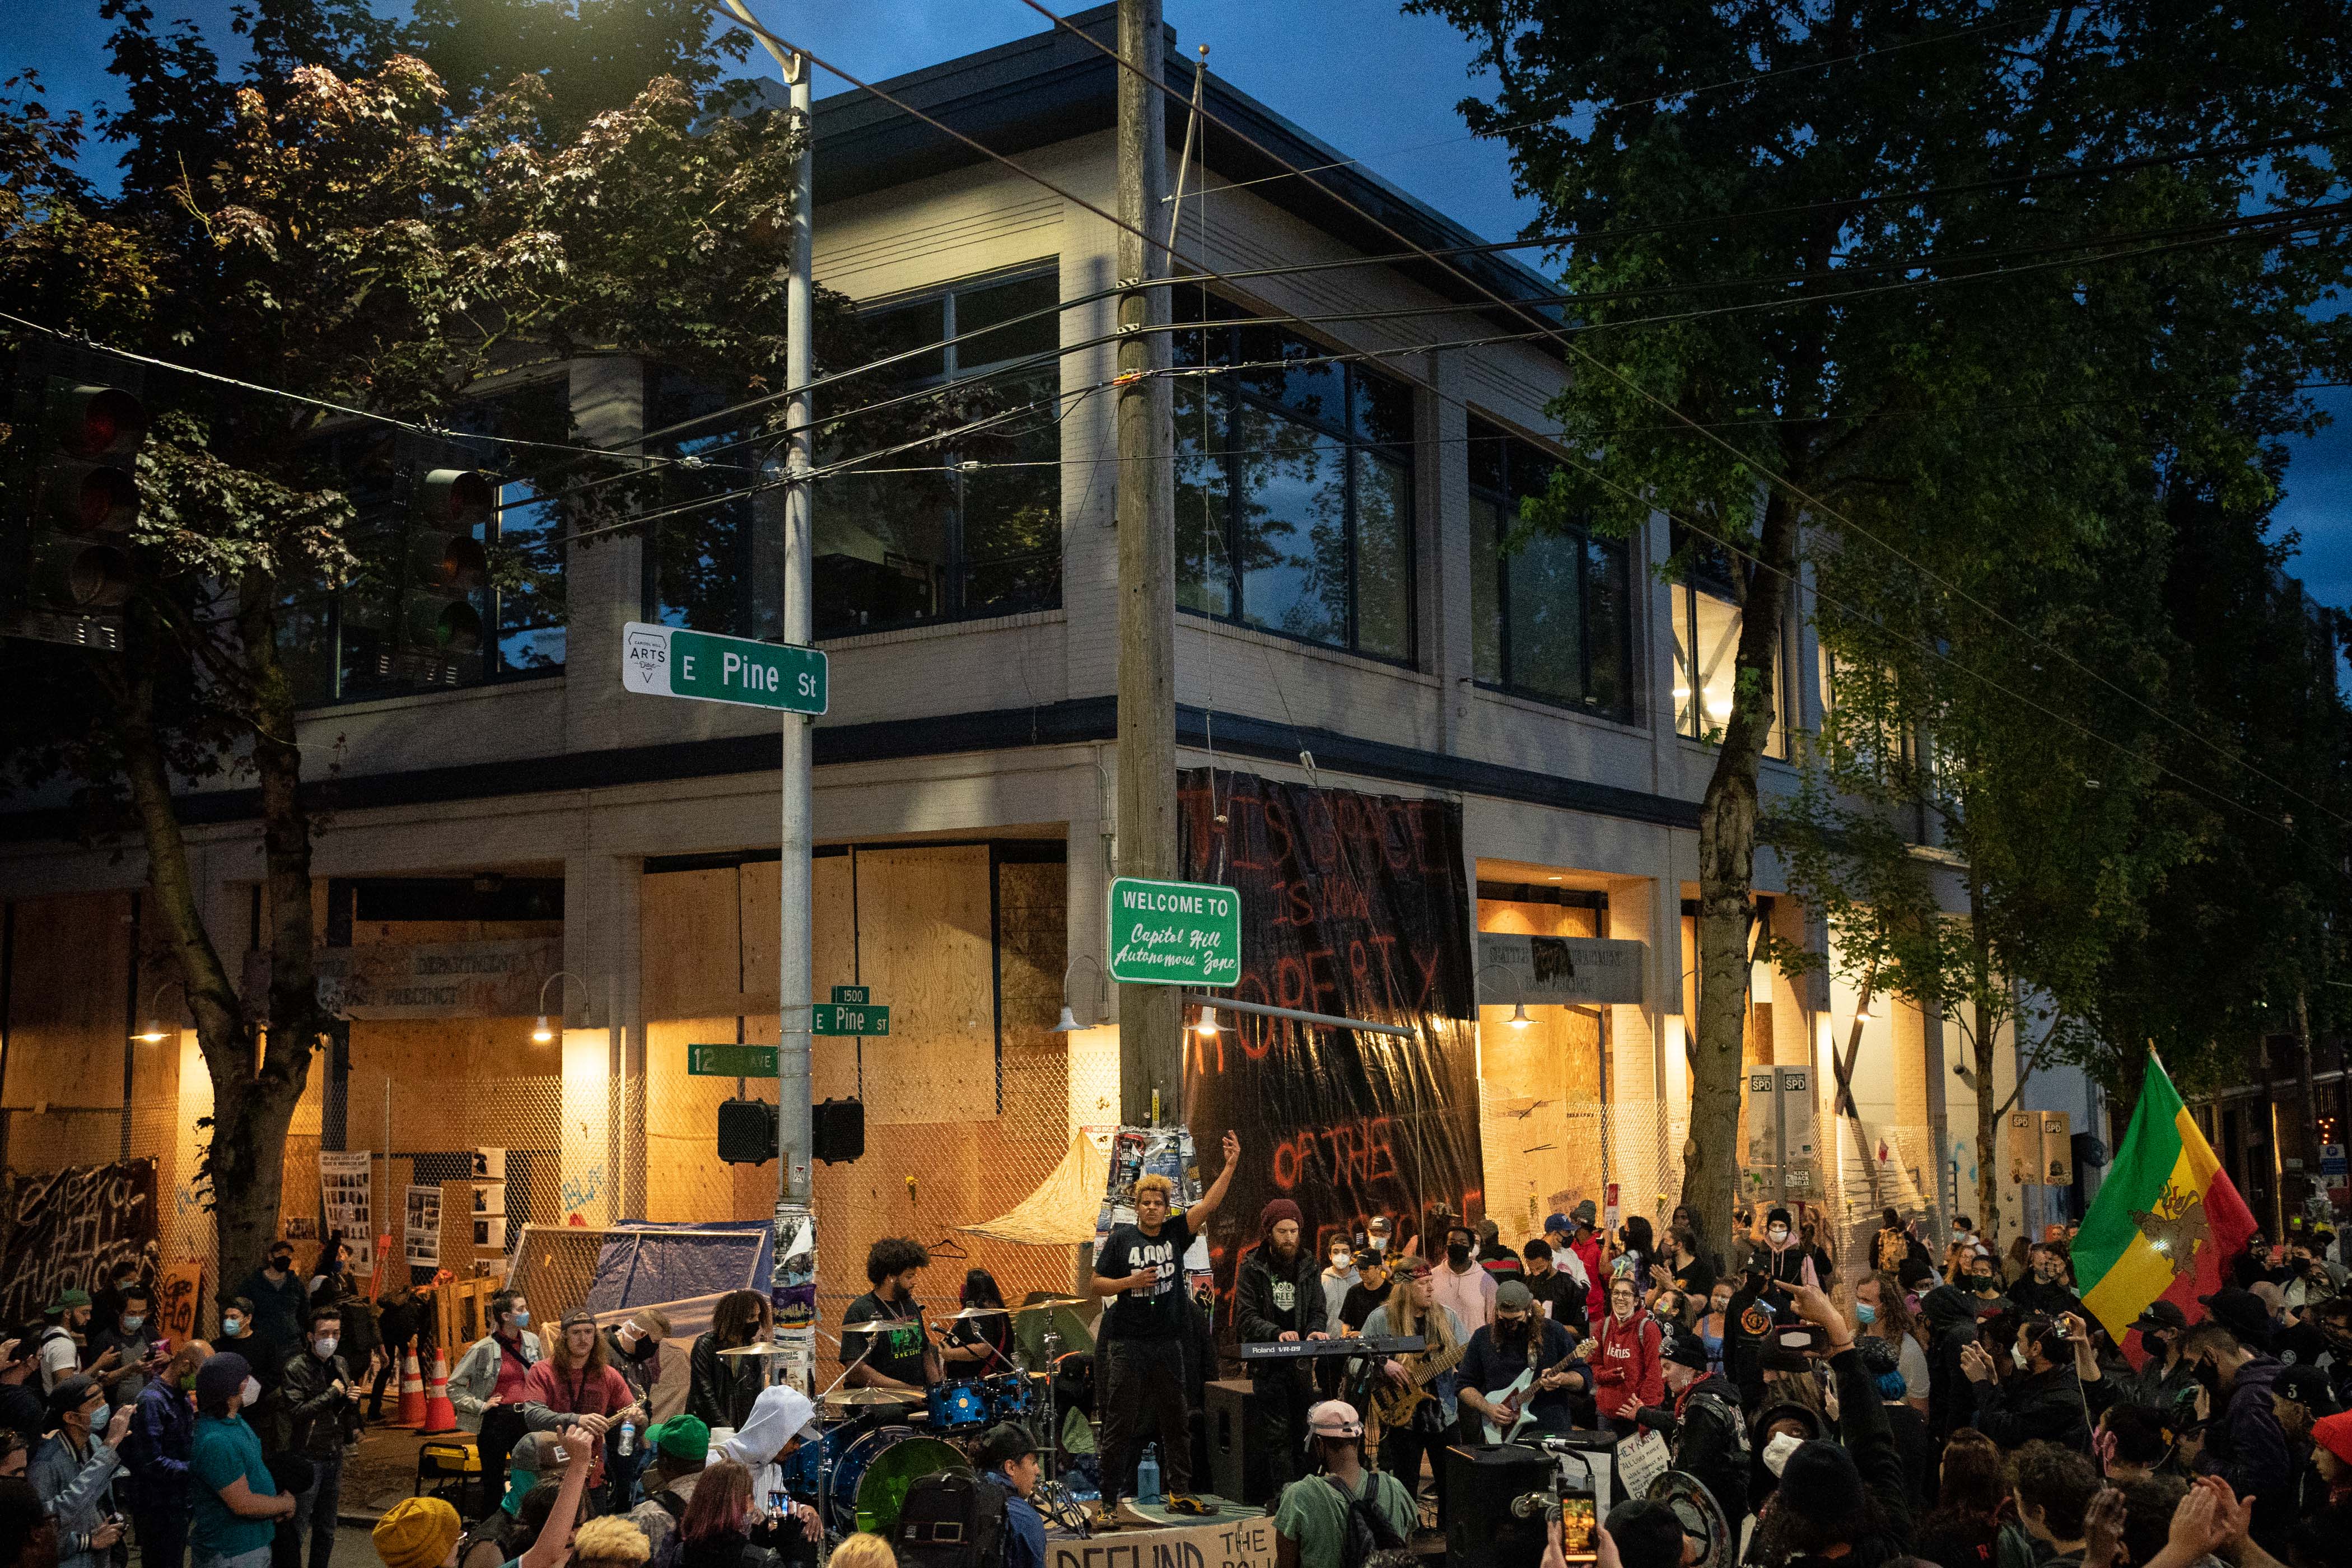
714,569
1294,487
1707,649
502,610
1550,612
967,526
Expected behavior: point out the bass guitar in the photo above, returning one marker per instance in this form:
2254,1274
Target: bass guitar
1396,1403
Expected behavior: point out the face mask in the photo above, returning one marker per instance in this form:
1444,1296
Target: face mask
283,1263
2210,1375
99,1418
1379,1244
1777,1234
522,1319
133,1323
1457,1254
1864,1314
1504,1331
327,1344
1777,1451
2025,1363
1340,1260
250,1391
231,1326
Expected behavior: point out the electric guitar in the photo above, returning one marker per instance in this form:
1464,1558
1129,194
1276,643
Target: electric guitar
1498,1433
1396,1403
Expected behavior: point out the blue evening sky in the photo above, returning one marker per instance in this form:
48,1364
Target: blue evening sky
1378,85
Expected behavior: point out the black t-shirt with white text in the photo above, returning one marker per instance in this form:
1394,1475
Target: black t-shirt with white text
1156,1310
897,1333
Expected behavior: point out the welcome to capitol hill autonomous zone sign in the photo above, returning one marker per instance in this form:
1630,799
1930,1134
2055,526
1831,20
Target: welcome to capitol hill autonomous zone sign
1175,933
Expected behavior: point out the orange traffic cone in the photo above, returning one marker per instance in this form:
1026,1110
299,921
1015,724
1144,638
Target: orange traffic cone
411,1393
440,1415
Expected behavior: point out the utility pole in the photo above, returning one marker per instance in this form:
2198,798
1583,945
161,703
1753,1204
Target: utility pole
1150,1018
793,1082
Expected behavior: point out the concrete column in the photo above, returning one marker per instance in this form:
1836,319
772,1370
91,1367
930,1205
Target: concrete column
603,575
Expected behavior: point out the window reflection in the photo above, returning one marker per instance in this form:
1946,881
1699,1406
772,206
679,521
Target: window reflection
1550,613
1294,485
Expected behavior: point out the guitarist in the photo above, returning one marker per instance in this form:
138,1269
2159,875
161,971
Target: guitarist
1411,1391
1521,1362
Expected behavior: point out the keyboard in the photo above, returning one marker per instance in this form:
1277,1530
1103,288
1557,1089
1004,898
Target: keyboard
1361,1344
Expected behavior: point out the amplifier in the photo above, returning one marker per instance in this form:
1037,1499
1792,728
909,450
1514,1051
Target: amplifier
1237,1453
1481,1530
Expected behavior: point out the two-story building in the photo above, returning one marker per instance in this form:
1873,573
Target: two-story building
1349,590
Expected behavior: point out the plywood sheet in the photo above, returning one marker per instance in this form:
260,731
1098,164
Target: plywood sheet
68,990
924,948
690,933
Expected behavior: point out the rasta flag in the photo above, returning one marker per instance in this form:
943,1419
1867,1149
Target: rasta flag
2167,1222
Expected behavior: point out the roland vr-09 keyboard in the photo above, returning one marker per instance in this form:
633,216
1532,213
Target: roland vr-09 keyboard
1358,1344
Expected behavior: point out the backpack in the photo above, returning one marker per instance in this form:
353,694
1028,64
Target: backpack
1368,1532
953,1520
673,1544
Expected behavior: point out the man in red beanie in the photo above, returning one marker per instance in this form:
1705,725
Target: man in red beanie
1280,1300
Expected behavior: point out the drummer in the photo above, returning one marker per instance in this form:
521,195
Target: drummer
896,1352
981,1344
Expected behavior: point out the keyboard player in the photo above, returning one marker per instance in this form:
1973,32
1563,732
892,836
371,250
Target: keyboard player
1279,1299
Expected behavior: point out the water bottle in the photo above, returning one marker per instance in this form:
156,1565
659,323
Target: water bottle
628,1438
1147,1475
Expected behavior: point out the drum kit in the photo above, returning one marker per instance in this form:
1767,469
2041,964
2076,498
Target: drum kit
873,1443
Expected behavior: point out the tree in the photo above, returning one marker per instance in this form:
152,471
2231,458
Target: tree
1783,345
347,239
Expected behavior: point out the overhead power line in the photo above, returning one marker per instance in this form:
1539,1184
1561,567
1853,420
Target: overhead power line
1764,471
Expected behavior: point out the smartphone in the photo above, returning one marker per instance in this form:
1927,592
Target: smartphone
1576,1539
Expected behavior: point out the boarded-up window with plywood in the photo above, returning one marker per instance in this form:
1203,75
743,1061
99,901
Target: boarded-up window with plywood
1541,1083
924,948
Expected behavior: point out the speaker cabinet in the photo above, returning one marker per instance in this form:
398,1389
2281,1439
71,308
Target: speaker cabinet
1481,1530
1237,1455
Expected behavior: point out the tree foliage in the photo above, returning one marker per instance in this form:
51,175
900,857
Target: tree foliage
1922,297
335,225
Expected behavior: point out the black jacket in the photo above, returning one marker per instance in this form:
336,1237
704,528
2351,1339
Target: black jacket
1713,1442
2047,1405
1951,1323
1863,1431
2246,1446
318,1414
2032,1296
722,1388
1258,1313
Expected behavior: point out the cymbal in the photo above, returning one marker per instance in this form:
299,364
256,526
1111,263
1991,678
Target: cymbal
1050,1302
978,1312
873,1396
759,1350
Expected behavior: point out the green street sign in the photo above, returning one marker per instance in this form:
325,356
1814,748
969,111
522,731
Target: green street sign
671,662
1175,933
730,1061
838,1018
853,995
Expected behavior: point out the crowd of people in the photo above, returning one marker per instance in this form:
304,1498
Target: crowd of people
1951,1405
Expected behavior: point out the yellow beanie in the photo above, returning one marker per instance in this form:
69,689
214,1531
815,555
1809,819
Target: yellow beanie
417,1533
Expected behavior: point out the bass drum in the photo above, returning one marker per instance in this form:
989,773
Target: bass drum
871,1477
803,1468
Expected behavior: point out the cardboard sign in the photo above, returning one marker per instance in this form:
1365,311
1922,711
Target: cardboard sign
1640,1460
179,1295
1244,1542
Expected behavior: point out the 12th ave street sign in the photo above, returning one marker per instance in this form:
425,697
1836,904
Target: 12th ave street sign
1175,933
730,1061
671,662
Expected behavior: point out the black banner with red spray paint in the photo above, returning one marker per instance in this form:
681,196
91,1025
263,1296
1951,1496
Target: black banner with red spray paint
1356,905
67,1230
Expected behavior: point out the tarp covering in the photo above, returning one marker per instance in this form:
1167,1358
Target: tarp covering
1357,905
681,1268
1063,1210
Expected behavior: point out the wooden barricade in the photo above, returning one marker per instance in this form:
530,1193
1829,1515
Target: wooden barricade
461,1311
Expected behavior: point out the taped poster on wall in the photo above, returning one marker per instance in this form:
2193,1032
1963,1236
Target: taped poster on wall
347,1195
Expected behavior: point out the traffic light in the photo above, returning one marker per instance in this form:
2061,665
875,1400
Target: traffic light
450,510
77,431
